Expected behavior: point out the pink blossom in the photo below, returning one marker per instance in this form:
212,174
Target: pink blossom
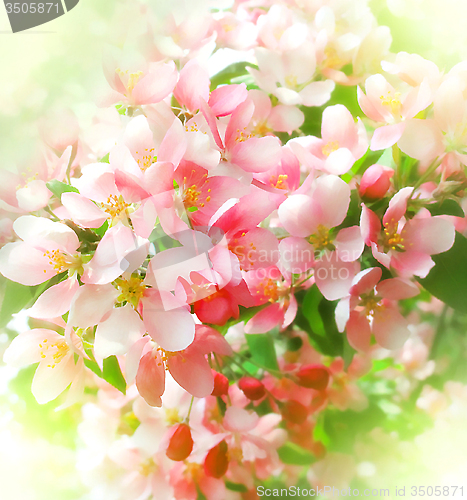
57,367
342,143
372,308
383,103
406,244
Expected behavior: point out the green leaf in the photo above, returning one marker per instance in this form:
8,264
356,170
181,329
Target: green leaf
113,375
58,188
232,71
446,207
447,280
262,349
236,487
102,229
16,297
319,434
315,316
293,454
93,366
105,159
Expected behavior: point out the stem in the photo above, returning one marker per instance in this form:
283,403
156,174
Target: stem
187,420
424,177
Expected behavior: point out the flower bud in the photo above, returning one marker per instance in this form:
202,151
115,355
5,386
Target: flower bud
180,444
313,377
294,412
375,182
252,388
221,384
216,462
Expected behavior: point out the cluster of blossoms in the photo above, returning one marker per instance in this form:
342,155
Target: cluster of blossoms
232,274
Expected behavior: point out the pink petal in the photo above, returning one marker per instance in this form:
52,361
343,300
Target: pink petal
42,232
25,264
358,331
156,84
25,348
386,136
349,244
212,123
208,340
397,206
118,332
367,107
167,321
397,289
286,118
48,382
130,187
333,277
91,304
193,373
432,235
257,154
365,281
240,420
339,162
266,319
390,328
174,144
338,125
317,93
83,211
422,140
224,100
33,196
370,225
300,215
333,196
192,86
150,379
297,255
55,301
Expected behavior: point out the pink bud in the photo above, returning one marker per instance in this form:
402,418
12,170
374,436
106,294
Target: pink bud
252,388
294,412
221,384
216,462
313,377
375,182
180,444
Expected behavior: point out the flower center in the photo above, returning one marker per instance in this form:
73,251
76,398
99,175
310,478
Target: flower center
392,101
61,261
322,239
392,239
371,304
291,81
55,351
146,159
115,206
132,290
269,289
279,182
172,416
332,60
131,78
147,467
330,147
243,135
